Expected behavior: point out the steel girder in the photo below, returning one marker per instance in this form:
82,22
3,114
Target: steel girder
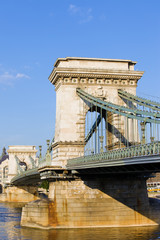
145,116
138,100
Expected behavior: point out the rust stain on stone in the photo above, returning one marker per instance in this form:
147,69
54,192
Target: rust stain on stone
65,205
53,219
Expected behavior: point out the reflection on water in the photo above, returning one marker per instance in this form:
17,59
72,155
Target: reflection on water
94,234
10,230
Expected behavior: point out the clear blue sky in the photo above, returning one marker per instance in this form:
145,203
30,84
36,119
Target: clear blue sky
34,33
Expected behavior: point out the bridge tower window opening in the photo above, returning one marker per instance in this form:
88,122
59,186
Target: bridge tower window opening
95,131
133,118
104,131
149,133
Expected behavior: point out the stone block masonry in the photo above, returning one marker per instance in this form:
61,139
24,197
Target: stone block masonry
90,200
19,194
114,201
99,77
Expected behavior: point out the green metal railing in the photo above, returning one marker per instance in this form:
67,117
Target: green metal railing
46,161
128,152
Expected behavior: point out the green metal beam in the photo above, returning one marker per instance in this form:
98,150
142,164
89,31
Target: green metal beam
117,109
141,101
93,128
27,177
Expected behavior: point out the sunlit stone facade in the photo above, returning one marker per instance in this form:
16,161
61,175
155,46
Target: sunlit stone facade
98,77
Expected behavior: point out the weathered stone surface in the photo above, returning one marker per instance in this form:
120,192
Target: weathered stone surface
100,78
37,214
23,153
19,194
93,202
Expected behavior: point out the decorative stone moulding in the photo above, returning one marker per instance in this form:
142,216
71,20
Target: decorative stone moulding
90,79
22,149
94,71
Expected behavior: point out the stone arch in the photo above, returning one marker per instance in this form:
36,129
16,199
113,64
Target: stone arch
23,165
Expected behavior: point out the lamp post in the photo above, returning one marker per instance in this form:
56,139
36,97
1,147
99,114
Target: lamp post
48,142
143,125
40,151
101,142
48,155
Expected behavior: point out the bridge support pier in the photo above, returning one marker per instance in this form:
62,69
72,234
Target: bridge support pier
19,194
92,201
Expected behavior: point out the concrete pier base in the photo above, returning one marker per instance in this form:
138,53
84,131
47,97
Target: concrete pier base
113,201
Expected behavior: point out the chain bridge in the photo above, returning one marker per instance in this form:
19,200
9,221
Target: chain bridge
125,155
106,145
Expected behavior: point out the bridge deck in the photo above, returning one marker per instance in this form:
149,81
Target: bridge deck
146,164
29,177
135,159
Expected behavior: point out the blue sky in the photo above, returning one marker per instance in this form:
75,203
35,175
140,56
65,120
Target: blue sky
34,33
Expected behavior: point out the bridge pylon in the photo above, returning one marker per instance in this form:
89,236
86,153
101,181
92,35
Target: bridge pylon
19,157
104,188
99,77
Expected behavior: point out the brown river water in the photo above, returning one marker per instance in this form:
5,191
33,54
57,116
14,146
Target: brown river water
10,229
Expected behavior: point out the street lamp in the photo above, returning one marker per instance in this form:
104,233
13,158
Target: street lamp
40,151
143,125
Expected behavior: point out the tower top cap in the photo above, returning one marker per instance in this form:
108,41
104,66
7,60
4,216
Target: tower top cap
96,63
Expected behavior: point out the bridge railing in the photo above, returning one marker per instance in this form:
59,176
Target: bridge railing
46,161
127,152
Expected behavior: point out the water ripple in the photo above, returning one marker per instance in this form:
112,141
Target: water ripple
10,229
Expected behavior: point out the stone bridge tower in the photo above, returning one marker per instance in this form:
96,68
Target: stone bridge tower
99,77
24,154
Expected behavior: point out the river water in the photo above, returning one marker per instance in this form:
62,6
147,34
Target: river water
10,229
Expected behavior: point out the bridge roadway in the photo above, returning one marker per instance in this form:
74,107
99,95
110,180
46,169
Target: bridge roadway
135,159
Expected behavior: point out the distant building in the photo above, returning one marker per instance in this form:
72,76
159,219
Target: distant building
18,159
153,183
4,158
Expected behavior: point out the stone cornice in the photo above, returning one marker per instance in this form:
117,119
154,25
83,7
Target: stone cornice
92,80
92,59
136,75
21,151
